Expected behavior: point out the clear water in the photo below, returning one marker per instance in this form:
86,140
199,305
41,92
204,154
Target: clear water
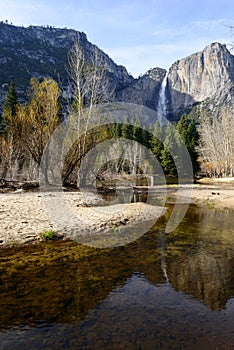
172,291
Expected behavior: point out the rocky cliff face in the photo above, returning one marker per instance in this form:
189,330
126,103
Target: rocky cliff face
203,75
42,51
206,75
144,90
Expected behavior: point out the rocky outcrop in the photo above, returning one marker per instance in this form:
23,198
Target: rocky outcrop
203,75
144,90
42,51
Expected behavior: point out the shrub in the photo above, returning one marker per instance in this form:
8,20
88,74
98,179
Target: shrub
49,236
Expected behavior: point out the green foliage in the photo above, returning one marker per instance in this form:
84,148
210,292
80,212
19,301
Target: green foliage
40,116
9,109
49,236
189,134
11,101
156,144
2,125
165,142
170,151
116,130
132,131
127,129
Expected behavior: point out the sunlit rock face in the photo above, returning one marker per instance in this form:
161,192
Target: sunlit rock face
203,75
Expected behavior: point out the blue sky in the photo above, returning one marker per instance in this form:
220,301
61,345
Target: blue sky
139,34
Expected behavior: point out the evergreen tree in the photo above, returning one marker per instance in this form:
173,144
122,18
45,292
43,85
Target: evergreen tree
140,135
2,125
156,145
9,108
146,135
11,101
188,132
167,162
116,130
170,152
127,129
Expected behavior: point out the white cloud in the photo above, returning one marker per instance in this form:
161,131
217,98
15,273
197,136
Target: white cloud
191,28
208,24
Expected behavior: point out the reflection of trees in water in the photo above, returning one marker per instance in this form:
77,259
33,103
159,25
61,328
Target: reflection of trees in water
204,267
61,282
205,277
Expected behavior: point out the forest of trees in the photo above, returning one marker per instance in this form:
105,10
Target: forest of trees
25,129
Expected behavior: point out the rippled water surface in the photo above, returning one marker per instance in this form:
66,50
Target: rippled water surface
173,291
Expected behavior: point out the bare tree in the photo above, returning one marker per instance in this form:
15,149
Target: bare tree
89,87
216,143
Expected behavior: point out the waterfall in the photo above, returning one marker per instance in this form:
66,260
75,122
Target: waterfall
162,108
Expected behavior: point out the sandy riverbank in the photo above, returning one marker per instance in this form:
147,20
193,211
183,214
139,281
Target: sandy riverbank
212,193
25,216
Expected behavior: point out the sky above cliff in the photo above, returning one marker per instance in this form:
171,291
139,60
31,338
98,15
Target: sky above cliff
139,34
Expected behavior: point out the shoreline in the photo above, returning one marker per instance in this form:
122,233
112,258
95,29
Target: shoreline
23,218
26,216
211,193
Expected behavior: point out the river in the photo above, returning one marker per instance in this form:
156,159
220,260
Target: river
162,291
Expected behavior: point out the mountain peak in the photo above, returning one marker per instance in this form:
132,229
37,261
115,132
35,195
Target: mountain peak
156,73
207,74
216,45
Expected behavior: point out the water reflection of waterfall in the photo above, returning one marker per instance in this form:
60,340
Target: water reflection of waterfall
162,106
162,243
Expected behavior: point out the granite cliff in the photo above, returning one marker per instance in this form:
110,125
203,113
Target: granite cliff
204,75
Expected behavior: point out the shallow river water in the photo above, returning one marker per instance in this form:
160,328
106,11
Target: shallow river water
173,291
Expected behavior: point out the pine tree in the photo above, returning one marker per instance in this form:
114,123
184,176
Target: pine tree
11,101
170,152
188,132
9,108
127,129
2,125
115,130
156,145
138,133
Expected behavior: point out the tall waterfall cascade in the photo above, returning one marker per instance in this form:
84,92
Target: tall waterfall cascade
162,101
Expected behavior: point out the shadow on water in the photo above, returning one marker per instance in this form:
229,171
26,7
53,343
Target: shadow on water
162,291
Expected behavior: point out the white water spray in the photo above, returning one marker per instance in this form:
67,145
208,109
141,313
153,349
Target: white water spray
162,107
